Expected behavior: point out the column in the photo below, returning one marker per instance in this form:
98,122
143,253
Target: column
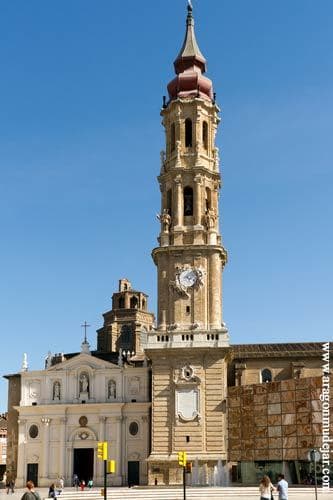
214,284
124,471
21,473
178,211
62,448
197,200
46,447
100,463
119,455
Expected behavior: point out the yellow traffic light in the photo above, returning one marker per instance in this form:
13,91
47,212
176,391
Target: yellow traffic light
182,458
102,450
111,466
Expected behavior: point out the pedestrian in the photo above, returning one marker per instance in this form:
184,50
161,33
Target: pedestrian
76,481
90,483
52,491
82,485
61,483
31,494
266,488
10,486
282,487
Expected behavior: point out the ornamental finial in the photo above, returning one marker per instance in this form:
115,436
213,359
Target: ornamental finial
189,6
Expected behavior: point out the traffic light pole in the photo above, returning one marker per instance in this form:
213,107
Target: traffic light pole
184,481
105,477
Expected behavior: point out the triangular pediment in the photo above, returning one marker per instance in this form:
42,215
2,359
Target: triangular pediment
83,360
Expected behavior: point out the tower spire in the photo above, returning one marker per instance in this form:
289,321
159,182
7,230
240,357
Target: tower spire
190,54
189,66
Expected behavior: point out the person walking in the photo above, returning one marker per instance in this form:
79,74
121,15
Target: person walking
90,483
31,494
266,488
282,487
76,481
10,486
52,491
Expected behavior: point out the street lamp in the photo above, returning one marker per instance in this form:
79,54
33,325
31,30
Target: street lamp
314,456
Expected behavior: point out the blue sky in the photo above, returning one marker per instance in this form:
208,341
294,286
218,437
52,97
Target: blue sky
81,89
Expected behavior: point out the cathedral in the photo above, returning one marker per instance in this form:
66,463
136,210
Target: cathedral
154,388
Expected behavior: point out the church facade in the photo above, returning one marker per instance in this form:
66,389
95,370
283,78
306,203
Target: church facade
154,389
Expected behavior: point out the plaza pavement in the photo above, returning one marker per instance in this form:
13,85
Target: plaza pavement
160,493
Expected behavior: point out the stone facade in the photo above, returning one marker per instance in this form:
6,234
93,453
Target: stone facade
58,415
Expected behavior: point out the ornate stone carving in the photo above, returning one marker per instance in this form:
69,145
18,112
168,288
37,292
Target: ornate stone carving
165,220
83,421
209,219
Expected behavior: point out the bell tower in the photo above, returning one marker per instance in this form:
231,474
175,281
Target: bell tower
190,257
190,343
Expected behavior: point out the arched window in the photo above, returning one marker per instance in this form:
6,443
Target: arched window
205,135
121,302
266,375
172,137
208,194
188,133
134,303
125,336
169,201
143,304
188,200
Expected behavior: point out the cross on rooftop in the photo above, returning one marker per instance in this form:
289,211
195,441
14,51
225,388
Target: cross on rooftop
85,326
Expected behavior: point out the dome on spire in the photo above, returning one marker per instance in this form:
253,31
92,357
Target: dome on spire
190,65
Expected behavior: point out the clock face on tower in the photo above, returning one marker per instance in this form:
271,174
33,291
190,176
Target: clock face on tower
188,278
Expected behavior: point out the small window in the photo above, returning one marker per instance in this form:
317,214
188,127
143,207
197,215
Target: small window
172,137
188,309
169,201
266,375
33,431
121,303
205,135
133,428
134,303
188,201
208,196
187,439
188,133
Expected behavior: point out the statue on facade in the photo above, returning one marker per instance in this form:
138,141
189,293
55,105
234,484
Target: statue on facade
210,219
165,220
56,391
48,360
162,156
112,391
84,383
